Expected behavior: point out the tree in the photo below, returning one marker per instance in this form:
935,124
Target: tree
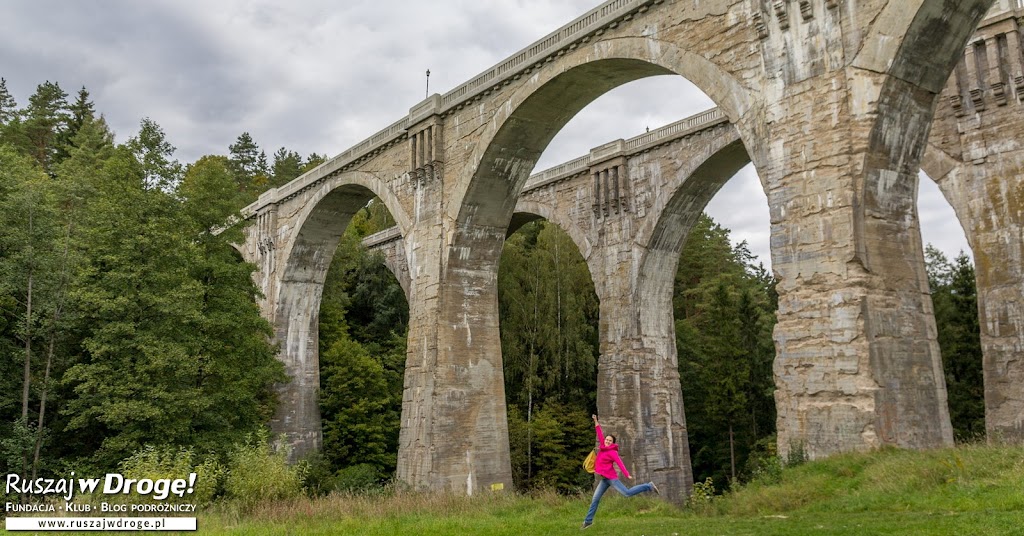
724,310
154,154
249,165
91,146
27,266
360,422
8,108
173,348
287,166
312,161
236,364
46,121
135,383
549,312
80,112
363,325
954,297
726,362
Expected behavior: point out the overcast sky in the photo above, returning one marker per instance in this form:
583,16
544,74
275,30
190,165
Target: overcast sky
320,76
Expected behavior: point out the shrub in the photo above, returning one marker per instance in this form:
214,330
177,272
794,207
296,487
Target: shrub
168,462
703,494
317,477
764,464
257,473
358,478
797,455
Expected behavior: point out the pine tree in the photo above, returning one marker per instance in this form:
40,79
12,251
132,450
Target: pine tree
312,161
156,156
249,165
8,107
724,311
954,297
80,112
45,124
287,166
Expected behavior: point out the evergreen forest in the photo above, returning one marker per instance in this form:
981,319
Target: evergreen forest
129,324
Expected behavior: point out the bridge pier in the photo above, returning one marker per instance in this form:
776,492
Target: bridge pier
858,363
977,158
994,231
454,434
638,389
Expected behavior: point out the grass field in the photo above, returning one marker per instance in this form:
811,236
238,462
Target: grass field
968,490
964,491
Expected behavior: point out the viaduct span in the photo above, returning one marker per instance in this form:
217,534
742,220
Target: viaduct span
832,100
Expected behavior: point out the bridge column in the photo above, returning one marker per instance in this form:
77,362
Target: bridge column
638,391
979,165
999,260
294,267
858,363
454,434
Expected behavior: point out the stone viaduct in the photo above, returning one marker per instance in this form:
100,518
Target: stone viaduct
832,100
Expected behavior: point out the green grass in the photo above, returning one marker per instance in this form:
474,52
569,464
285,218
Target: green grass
968,490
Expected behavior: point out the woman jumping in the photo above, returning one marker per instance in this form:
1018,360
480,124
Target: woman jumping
607,455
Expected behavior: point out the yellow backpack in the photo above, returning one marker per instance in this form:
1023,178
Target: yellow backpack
590,461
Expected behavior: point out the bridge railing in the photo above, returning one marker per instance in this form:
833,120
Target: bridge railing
564,37
659,136
382,237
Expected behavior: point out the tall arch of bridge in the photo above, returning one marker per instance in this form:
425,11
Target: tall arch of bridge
294,243
833,101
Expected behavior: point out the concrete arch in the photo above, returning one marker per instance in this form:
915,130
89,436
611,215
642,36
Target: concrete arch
525,209
884,205
947,172
524,124
664,235
305,259
348,182
484,198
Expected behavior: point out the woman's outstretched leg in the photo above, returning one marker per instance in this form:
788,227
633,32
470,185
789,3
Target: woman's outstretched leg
629,492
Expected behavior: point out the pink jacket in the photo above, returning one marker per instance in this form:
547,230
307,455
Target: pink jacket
606,457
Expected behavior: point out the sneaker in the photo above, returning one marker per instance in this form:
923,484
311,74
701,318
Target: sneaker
585,525
655,488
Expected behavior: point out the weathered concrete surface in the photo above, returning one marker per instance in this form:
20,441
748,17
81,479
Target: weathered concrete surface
832,100
977,158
